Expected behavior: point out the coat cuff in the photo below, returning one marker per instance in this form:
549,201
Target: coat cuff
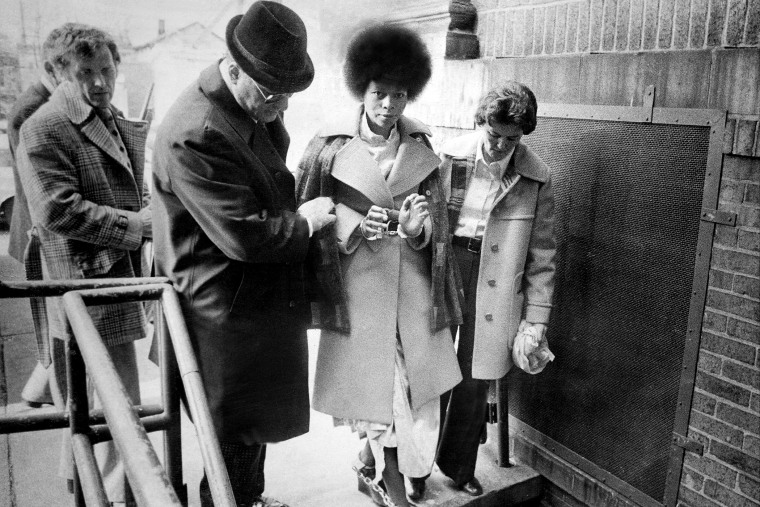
347,220
421,240
132,225
538,314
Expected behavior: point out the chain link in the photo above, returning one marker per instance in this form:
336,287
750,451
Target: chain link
375,487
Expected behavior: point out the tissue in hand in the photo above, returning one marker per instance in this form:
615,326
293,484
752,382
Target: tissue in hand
531,353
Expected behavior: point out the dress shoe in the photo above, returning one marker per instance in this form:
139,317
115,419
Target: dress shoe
472,487
37,404
265,501
415,488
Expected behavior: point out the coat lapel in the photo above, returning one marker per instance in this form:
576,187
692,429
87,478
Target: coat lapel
266,151
134,134
96,132
414,162
268,141
82,114
354,166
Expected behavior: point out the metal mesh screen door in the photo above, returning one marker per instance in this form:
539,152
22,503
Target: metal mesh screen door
628,201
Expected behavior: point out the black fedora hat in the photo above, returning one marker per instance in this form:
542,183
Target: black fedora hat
269,43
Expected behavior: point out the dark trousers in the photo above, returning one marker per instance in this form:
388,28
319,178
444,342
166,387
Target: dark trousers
245,466
464,422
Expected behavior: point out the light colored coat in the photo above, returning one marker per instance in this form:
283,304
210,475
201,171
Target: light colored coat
516,276
84,202
388,286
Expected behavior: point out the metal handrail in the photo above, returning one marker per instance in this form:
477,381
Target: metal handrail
149,481
51,288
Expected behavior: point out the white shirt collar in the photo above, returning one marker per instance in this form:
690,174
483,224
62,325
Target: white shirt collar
495,169
47,83
376,139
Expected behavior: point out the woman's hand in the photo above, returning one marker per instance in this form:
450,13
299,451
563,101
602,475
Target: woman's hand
412,215
541,328
374,224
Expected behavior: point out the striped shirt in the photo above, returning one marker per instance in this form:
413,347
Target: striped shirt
488,181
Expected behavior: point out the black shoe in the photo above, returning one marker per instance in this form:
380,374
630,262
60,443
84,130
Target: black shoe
471,487
415,488
265,501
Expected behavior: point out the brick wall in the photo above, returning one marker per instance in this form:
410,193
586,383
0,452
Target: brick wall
523,28
536,27
725,413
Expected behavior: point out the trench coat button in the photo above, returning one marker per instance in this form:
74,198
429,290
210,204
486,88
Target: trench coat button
495,248
427,193
492,283
489,317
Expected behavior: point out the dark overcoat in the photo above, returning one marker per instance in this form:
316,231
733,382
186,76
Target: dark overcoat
26,104
227,234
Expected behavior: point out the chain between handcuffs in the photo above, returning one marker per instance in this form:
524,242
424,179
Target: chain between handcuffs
375,487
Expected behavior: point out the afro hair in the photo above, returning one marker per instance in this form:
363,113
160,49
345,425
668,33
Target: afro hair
387,53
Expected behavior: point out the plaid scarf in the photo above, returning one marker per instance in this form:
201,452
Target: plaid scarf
461,170
325,278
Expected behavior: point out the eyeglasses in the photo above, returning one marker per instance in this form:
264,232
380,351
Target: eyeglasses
272,97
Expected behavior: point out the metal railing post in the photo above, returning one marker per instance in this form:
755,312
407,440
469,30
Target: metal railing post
502,422
126,424
216,470
88,484
144,472
170,384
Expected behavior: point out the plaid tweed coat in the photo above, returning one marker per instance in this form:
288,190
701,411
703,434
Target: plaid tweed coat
84,203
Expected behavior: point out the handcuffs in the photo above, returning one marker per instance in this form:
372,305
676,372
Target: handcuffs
392,225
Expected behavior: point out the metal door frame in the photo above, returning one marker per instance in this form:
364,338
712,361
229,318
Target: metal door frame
716,120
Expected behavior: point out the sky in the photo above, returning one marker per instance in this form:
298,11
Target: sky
136,19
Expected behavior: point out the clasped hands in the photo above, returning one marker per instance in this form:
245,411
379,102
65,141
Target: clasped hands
411,218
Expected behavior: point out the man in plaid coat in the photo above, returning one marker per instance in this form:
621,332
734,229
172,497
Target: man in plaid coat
81,166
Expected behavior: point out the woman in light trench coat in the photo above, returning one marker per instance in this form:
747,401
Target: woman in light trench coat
386,279
501,212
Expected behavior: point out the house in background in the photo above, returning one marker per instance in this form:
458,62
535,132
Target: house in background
170,63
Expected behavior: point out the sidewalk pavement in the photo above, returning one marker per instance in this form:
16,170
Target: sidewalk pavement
313,470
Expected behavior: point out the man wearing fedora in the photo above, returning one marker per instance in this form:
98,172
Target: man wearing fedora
230,238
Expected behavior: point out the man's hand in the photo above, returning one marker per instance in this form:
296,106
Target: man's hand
412,215
147,222
318,212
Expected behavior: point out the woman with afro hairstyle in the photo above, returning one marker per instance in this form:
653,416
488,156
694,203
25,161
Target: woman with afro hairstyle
387,291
